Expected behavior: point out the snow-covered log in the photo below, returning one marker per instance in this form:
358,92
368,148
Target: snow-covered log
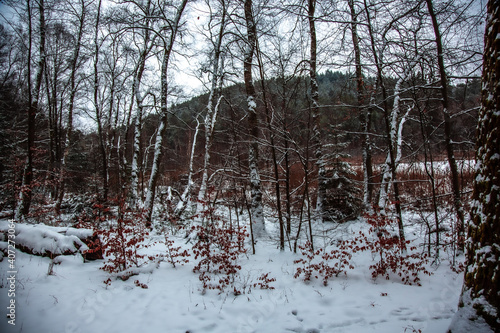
46,241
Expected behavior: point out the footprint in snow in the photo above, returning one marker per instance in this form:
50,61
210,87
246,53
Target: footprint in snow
407,314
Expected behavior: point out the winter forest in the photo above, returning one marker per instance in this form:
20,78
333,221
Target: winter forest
249,166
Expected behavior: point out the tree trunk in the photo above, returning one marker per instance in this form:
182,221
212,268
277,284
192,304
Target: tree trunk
316,132
139,98
214,100
273,149
71,102
158,151
98,109
185,198
429,169
364,113
51,90
253,154
390,144
25,194
479,306
396,137
455,180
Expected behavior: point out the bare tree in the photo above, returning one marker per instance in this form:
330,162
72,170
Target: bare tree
272,142
214,97
139,96
25,194
455,179
98,107
168,44
390,118
256,210
71,103
364,112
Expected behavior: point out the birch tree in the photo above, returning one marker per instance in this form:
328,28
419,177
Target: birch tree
146,45
378,57
215,95
397,121
172,28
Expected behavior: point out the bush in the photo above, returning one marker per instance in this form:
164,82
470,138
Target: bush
218,248
394,255
174,254
321,263
121,241
121,244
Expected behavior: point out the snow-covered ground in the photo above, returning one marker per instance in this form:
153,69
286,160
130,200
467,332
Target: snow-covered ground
75,299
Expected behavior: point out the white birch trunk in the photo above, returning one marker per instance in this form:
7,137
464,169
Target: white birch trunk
134,199
185,199
150,194
396,136
134,175
210,120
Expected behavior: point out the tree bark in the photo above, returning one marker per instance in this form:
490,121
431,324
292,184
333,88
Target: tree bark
316,132
479,306
256,208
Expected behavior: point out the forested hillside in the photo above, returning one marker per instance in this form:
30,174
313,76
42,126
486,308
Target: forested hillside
290,128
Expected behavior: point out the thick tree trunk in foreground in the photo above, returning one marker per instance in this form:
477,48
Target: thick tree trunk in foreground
479,307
